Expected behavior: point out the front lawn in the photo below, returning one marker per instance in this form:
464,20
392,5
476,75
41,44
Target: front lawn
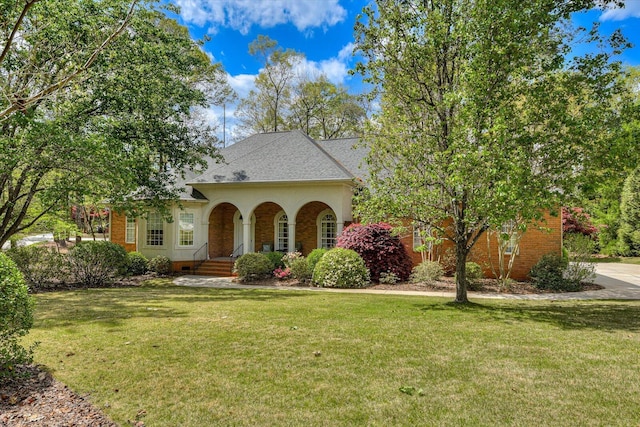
204,357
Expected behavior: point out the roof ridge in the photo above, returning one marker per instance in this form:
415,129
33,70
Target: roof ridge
326,153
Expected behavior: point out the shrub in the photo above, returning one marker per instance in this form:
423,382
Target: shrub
282,274
95,263
300,269
579,269
290,257
137,263
16,317
577,221
388,278
548,273
341,268
314,257
160,265
474,274
380,250
253,266
275,258
427,272
40,266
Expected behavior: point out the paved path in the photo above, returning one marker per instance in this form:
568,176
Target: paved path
621,281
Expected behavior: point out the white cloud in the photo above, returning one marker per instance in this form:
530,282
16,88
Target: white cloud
631,10
242,83
241,15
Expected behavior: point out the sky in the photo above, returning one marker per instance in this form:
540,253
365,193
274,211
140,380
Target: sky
323,31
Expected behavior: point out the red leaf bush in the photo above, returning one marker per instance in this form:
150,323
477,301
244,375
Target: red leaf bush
576,220
381,251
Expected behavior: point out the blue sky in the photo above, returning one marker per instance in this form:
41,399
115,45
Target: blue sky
323,31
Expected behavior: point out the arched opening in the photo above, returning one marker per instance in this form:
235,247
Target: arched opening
309,228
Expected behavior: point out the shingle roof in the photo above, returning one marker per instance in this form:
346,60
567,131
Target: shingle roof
285,157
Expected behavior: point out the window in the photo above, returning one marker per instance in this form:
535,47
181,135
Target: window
185,229
417,239
282,232
327,229
509,228
155,230
130,233
422,238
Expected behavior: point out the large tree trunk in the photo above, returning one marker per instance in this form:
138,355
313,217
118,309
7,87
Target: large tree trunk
461,272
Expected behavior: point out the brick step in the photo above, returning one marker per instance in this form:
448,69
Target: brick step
215,268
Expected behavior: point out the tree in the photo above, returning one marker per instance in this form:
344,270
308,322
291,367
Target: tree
264,108
481,116
629,231
99,102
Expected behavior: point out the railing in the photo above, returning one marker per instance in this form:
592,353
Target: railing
237,251
200,256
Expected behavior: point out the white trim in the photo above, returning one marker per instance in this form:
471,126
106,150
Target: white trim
279,241
162,235
127,223
320,221
179,228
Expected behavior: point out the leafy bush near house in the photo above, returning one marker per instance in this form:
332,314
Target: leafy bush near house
548,273
16,317
137,264
579,269
253,266
276,259
314,257
474,274
40,266
388,278
341,268
289,257
95,263
300,270
380,250
577,221
427,272
160,265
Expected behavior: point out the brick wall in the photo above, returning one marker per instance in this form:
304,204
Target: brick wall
118,231
221,230
307,226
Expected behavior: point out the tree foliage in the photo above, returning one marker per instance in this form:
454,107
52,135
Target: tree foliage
482,116
629,231
99,101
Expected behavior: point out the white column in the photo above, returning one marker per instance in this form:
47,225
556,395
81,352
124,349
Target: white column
246,236
292,236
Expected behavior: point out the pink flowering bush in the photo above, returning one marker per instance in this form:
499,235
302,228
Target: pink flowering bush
282,274
381,251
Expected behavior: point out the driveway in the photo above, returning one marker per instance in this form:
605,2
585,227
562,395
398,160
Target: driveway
30,240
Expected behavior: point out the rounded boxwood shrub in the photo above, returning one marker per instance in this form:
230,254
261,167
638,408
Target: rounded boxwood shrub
341,268
16,317
160,265
276,259
314,257
300,270
380,250
253,266
474,274
137,264
95,263
548,273
41,266
427,272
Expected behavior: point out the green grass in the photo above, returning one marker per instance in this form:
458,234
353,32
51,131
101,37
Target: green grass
622,260
211,357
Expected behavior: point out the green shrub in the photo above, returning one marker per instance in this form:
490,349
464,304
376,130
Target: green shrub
96,263
16,317
427,272
314,257
275,258
388,278
548,273
161,265
253,266
300,270
137,264
579,269
341,268
473,274
40,266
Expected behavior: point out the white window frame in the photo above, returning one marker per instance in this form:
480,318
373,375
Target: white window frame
154,219
130,230
508,228
281,232
324,241
180,229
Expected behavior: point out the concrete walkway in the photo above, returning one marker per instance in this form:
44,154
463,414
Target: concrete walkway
621,281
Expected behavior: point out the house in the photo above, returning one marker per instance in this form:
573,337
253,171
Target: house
280,191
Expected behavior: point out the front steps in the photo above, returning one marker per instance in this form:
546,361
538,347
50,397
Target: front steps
220,267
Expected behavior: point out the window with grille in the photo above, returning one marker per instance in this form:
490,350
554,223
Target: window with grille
155,230
130,235
186,223
509,228
282,233
328,231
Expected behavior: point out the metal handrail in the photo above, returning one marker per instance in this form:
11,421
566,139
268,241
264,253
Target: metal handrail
198,262
236,251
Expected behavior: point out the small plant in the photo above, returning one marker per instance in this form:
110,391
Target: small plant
160,264
388,278
341,268
288,258
282,274
95,263
548,273
40,266
474,274
427,272
253,266
379,248
276,259
579,269
137,264
300,269
16,318
314,257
